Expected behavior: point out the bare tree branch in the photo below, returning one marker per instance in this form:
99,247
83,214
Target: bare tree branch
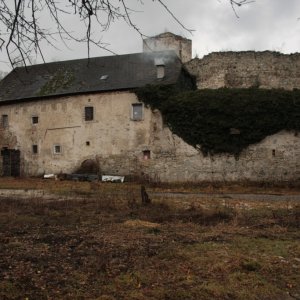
234,4
27,31
175,18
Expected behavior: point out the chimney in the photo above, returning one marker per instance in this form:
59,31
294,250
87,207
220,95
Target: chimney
169,41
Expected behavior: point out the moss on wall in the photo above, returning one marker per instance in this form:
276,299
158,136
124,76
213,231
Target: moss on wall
224,120
62,79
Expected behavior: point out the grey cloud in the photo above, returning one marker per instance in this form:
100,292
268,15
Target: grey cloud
265,24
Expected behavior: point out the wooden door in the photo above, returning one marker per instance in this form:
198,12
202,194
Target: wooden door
11,162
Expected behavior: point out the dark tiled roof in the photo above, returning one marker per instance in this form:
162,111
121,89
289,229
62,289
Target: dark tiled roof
83,76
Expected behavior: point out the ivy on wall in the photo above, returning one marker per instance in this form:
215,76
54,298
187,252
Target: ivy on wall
224,120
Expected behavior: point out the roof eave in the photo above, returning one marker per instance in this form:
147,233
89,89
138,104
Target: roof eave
59,95
47,97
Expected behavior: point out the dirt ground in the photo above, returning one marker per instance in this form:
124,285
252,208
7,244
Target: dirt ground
106,245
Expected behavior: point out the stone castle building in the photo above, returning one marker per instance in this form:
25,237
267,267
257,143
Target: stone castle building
56,116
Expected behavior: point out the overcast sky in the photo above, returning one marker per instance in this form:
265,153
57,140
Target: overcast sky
262,25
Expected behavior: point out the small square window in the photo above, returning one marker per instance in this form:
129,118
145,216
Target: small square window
34,119
89,113
34,149
57,149
87,143
137,111
146,154
4,121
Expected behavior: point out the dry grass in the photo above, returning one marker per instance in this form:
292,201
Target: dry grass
110,247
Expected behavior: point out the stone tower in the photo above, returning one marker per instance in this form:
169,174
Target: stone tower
170,41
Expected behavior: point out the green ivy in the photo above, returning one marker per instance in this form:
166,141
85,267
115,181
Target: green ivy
224,120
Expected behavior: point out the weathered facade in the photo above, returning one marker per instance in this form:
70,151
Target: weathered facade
59,115
64,138
122,146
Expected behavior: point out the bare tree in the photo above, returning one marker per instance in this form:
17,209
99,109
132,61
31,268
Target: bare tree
24,32
234,4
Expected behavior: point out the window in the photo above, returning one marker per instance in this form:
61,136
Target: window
4,121
34,119
137,111
34,149
89,113
273,152
57,149
87,143
146,154
160,71
235,131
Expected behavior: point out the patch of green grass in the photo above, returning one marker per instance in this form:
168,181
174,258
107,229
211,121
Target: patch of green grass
251,265
263,246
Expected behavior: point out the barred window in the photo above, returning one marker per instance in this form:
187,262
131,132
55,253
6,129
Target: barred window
57,149
89,113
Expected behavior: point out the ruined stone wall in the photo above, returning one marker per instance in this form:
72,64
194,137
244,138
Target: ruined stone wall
276,158
116,143
246,69
169,41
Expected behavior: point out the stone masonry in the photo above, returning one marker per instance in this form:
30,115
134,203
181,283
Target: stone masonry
169,41
246,69
117,144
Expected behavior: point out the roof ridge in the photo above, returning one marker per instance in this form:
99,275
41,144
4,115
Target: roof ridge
93,58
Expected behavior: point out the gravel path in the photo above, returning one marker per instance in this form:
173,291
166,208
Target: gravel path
258,197
29,194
